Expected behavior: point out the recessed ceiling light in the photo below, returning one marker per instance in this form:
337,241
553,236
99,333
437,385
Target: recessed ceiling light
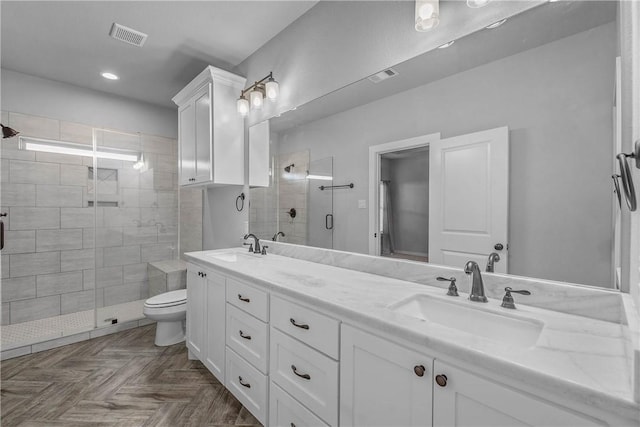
446,45
109,76
477,3
496,24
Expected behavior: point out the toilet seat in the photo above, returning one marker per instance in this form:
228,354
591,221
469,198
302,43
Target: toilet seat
167,299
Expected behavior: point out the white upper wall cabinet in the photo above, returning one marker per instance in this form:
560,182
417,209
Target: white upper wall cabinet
259,154
211,133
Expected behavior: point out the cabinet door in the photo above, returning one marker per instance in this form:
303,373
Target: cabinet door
259,155
187,122
380,383
203,137
215,329
196,313
468,400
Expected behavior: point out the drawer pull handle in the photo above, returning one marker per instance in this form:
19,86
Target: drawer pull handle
298,325
247,385
246,337
243,299
295,371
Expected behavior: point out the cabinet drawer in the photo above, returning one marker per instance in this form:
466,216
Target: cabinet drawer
248,385
317,330
248,298
248,337
306,374
285,411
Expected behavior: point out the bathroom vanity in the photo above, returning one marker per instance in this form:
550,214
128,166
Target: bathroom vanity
300,340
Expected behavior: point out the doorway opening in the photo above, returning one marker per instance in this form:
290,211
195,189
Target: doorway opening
403,204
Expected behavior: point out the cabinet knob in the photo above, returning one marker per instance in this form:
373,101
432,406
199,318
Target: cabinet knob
419,370
441,380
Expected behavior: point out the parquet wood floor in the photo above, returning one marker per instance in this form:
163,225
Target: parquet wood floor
116,380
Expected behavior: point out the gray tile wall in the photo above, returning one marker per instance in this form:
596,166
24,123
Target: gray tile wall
57,245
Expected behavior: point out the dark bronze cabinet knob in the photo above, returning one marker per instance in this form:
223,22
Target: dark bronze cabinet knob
441,380
419,370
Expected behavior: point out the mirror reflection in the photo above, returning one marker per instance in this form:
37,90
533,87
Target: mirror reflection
546,77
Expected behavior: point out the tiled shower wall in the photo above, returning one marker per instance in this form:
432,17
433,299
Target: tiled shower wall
48,261
293,192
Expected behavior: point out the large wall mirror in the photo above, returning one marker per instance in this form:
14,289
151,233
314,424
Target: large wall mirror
548,76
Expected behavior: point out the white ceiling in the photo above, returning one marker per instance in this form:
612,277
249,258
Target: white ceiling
69,41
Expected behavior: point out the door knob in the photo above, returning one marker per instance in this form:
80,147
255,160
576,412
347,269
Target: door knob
441,380
498,246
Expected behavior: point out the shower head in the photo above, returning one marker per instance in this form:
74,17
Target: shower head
287,169
7,132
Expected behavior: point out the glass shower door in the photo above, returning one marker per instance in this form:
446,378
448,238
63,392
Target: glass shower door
46,293
321,219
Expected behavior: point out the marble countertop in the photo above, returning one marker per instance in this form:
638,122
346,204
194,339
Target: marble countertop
582,359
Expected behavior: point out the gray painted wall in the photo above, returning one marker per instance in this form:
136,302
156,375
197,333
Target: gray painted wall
557,102
27,94
338,42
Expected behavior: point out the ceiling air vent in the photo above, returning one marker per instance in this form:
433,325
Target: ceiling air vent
383,75
127,35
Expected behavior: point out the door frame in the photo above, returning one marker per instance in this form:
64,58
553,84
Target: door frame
375,153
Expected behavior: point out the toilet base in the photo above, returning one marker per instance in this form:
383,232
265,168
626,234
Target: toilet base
169,333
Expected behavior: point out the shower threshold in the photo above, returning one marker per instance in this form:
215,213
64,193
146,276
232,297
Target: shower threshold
38,335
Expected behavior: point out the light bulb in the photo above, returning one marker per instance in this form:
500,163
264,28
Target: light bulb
243,106
477,3
256,99
272,89
427,14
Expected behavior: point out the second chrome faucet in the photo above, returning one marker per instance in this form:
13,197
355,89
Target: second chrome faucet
477,286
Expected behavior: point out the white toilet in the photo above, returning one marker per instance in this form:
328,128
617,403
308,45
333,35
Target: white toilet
169,310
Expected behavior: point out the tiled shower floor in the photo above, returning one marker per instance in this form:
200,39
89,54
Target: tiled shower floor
36,331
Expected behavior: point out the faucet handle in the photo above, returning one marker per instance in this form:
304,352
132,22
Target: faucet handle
507,300
453,289
250,246
264,249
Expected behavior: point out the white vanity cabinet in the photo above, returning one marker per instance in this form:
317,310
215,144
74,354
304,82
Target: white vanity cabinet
247,346
211,133
206,318
464,399
382,383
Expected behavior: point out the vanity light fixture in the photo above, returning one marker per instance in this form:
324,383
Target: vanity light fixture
474,4
446,45
267,87
427,14
109,76
496,24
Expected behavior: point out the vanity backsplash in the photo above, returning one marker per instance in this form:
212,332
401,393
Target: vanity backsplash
563,297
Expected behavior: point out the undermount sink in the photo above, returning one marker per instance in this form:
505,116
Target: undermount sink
506,329
231,256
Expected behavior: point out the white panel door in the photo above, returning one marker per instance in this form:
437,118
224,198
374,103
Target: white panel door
468,198
468,400
215,325
382,383
196,313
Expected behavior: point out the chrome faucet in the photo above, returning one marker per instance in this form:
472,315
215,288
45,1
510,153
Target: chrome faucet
477,287
493,258
256,246
275,236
